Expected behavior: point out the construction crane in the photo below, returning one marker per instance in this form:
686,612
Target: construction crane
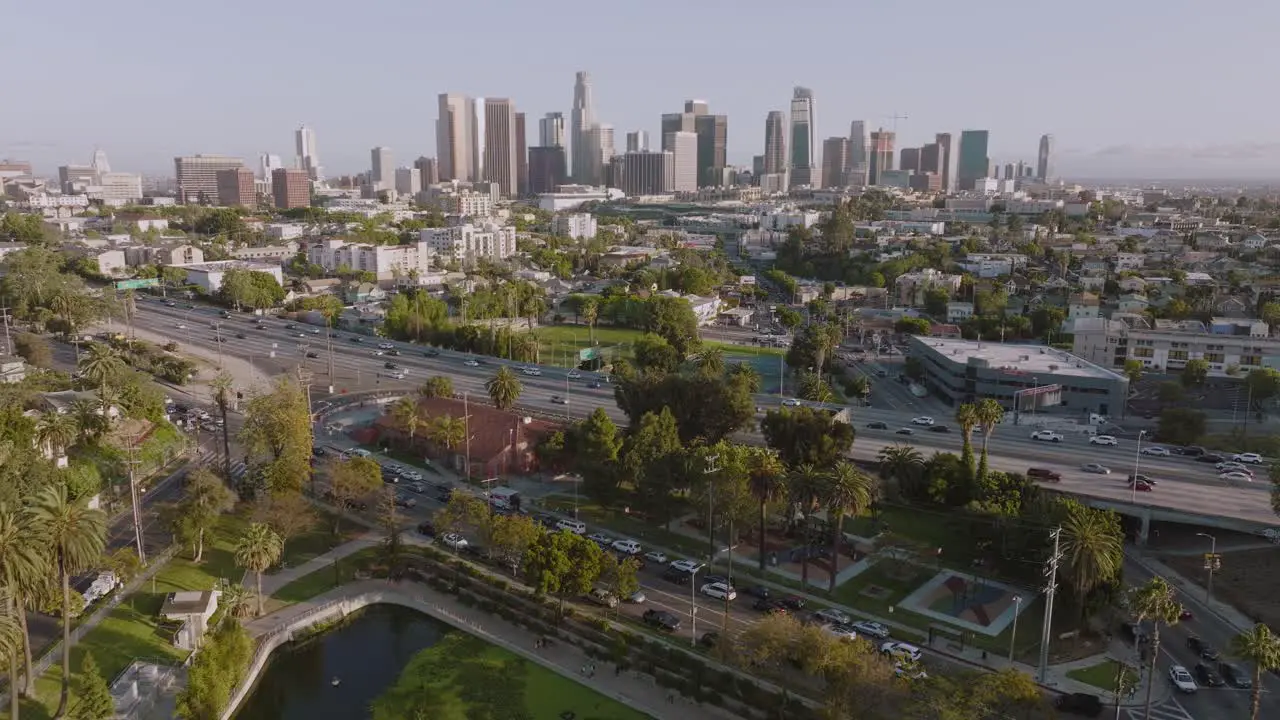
895,117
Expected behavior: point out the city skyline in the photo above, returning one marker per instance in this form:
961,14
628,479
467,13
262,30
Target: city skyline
1136,136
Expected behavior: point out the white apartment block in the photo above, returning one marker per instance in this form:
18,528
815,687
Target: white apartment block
468,243
45,201
115,188
1225,344
467,203
385,261
579,226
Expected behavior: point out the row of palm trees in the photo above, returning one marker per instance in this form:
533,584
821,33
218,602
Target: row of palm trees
446,431
840,491
42,545
985,414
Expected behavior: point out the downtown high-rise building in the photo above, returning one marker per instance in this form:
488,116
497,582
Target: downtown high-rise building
382,172
522,156
267,164
775,142
909,159
308,157
428,169
551,130
408,181
290,188
637,141
802,163
713,142
684,150
585,156
500,164
835,153
674,123
457,140
1044,159
647,172
548,169
943,141
197,176
973,163
881,155
236,188
857,164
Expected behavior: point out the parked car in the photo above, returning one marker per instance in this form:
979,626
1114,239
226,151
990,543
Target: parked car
603,597
630,547
832,616
454,540
758,591
655,556
689,566
1202,648
661,619
677,576
600,539
871,629
901,651
769,607
719,591
793,602
1234,677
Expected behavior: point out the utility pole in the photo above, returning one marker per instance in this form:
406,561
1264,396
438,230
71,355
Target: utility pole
329,332
711,469
466,427
135,499
1051,572
8,344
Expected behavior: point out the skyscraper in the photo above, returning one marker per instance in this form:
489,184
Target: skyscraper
581,120
1044,160
290,188
308,157
882,142
684,151
456,138
835,152
102,167
802,133
974,161
408,181
857,165
697,107
775,143
547,169
235,187
267,164
651,173
909,159
674,123
382,174
551,130
430,170
500,164
930,158
713,140
197,176
522,156
637,141
944,163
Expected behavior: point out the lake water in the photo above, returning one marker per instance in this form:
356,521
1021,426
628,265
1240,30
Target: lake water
367,654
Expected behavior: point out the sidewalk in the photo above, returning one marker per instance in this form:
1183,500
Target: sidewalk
630,688
273,582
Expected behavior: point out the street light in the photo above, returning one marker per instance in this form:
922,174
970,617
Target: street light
1013,635
1211,563
1133,481
711,469
693,608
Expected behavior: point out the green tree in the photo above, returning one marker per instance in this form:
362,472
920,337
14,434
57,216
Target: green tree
590,312
805,435
408,417
1170,393
11,640
1155,601
562,564
1093,549
277,431
900,463
935,302
504,388
913,326
95,701
705,408
351,481
814,389
1263,384
23,565
653,353
508,537
967,418
21,228
437,386
1195,372
57,432
257,550
648,459
1259,647
847,491
673,319
216,670
990,414
789,318
595,447
619,577
1270,313
206,499
1181,426
74,536
767,478
1133,370
805,484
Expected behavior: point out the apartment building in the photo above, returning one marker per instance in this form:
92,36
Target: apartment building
579,226
467,242
912,287
236,187
468,203
385,261
197,176
1228,345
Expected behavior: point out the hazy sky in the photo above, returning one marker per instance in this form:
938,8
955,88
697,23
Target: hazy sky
1159,88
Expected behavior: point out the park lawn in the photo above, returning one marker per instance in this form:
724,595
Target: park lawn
1103,675
324,579
547,694
561,343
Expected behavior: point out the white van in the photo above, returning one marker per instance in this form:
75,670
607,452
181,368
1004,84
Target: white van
359,452
577,527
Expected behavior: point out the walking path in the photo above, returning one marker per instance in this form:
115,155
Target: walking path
633,689
273,582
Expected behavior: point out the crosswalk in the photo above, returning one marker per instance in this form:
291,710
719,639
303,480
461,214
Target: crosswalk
1168,710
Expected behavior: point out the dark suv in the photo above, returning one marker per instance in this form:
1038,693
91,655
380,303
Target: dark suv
661,619
1043,474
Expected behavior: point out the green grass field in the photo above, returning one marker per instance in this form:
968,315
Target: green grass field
561,343
1103,675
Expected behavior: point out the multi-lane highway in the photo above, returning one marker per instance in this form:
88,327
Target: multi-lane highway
1182,483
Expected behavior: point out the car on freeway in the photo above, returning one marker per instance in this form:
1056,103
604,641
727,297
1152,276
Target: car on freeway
1156,450
904,431
901,651
390,365
630,547
1036,473
291,326
1234,677
1103,440
1251,458
689,566
531,371
431,352
240,336
600,539
637,597
924,420
661,619
1141,486
939,429
791,402
1096,469
1235,476
454,540
1233,466
594,384
182,327
1142,478
719,591
1207,676
832,616
1046,436
574,375
877,425
393,352
559,400
472,362
385,346
1189,451
871,629
1213,458
1202,648
171,304
656,557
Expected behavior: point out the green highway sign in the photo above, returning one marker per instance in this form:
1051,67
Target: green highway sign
137,283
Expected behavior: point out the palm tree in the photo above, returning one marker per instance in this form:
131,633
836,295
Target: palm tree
1261,647
258,550
11,642
56,432
768,483
528,348
804,487
1092,548
590,313
88,417
405,414
221,386
101,364
711,362
747,375
967,418
448,431
236,600
74,536
814,389
848,491
504,388
990,414
22,564
1154,601
900,462
206,499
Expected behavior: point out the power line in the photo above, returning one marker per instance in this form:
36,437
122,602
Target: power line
1051,572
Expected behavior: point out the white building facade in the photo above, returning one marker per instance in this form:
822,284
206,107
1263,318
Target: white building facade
468,242
579,226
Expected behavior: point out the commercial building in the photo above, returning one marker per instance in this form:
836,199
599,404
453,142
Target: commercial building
117,188
551,130
385,261
802,162
500,159
857,165
775,143
208,276
943,141
909,159
974,162
585,159
882,142
308,158
522,157
457,139
683,147
713,139
291,188
74,179
1022,378
579,226
408,181
197,176
382,174
637,141
572,197
835,152
548,169
467,203
429,170
1229,346
1044,158
466,243
236,187
651,173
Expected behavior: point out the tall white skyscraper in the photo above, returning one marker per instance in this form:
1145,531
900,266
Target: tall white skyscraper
308,158
637,141
775,143
684,150
382,174
1044,161
551,130
99,163
408,180
267,164
803,162
583,152
500,156
859,161
456,139
607,147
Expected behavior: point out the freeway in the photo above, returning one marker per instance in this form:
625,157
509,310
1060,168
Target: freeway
1182,483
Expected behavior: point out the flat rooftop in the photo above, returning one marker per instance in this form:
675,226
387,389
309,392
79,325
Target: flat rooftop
1028,359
